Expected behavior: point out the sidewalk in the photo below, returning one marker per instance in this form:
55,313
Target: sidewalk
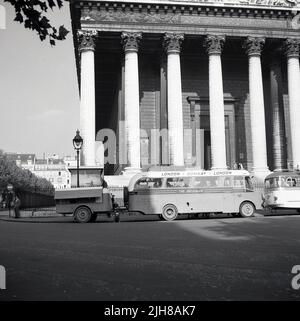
42,216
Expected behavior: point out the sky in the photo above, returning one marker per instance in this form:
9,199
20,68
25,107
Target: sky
39,97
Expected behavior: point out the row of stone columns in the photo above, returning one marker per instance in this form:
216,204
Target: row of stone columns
172,44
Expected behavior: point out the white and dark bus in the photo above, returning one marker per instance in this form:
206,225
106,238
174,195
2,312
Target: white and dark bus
171,193
282,190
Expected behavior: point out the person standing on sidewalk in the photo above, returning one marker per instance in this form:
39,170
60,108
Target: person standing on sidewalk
16,205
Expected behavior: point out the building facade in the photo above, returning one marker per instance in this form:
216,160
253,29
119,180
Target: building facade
21,159
190,82
54,169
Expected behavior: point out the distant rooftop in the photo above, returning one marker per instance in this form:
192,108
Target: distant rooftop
23,158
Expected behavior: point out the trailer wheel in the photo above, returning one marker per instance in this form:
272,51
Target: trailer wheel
169,212
247,209
82,214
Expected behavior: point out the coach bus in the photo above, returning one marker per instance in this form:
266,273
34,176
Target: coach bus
171,193
282,190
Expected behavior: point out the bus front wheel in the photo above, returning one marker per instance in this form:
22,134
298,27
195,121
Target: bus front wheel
247,209
83,214
169,212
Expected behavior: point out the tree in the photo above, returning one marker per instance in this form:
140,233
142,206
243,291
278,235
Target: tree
31,13
22,179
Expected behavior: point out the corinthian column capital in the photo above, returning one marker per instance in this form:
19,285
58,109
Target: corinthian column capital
291,47
86,39
214,44
172,42
131,41
254,45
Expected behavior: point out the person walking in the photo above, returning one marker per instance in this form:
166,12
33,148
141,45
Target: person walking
16,205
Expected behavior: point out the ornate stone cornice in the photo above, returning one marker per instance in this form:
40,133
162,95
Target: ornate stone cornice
214,44
131,41
291,47
254,45
86,39
172,42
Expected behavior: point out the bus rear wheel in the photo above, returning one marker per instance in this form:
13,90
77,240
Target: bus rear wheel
83,214
169,212
247,209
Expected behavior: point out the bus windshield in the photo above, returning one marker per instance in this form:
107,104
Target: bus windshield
282,181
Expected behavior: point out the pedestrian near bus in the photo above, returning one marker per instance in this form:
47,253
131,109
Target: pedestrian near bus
16,204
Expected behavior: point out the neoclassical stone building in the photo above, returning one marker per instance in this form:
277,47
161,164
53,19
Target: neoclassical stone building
220,78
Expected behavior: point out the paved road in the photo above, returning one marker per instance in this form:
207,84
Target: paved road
203,259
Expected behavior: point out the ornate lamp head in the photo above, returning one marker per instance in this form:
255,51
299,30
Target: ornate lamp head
77,141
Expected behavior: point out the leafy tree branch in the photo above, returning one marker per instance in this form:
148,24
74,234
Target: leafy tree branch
31,13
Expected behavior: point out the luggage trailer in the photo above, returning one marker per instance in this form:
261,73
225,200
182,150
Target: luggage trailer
86,203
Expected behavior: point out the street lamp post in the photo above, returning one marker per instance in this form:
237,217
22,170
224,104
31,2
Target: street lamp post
77,143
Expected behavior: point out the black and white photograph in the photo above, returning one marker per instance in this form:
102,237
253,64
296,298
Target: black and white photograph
149,153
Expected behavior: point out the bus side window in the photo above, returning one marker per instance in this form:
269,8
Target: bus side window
147,182
157,183
198,182
187,181
169,182
210,182
227,182
238,182
283,182
177,182
290,182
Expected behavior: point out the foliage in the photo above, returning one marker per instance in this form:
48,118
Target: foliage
32,14
21,179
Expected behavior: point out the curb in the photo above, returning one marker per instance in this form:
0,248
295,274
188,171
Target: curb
47,219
